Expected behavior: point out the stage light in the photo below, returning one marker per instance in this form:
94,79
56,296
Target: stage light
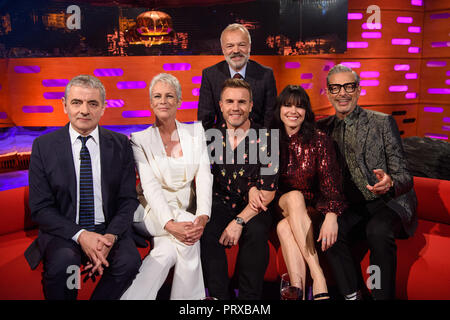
136,113
177,66
110,72
131,84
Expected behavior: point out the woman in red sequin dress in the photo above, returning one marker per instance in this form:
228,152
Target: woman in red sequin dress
310,184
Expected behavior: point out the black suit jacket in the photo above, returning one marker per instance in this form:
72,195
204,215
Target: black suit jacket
52,182
263,86
381,148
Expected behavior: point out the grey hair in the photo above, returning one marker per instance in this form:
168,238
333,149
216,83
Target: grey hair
234,27
340,68
86,81
169,79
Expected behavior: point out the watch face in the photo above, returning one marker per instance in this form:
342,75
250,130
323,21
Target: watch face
240,221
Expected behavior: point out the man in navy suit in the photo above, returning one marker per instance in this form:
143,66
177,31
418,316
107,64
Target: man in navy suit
79,224
236,45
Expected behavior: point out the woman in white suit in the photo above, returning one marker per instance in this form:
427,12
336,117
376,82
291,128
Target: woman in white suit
172,161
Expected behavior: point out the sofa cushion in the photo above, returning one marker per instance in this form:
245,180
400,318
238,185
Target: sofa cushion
433,199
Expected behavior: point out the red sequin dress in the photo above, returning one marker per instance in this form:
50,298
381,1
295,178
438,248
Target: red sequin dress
312,169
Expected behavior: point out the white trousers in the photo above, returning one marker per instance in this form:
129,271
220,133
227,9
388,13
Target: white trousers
187,283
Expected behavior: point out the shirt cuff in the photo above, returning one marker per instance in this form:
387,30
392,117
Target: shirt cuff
75,237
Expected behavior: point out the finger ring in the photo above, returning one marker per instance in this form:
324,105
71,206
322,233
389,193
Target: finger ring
324,239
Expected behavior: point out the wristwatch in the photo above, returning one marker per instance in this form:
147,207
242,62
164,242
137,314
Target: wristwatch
240,221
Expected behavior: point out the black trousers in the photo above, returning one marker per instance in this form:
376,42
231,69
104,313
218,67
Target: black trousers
376,226
62,256
252,259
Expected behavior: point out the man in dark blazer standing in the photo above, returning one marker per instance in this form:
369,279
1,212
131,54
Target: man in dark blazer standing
236,45
83,196
376,183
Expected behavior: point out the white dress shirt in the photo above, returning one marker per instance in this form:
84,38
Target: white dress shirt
94,150
241,72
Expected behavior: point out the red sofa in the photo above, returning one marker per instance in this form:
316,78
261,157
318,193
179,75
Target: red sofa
423,261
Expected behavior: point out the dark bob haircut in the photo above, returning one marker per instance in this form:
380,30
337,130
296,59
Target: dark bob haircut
295,95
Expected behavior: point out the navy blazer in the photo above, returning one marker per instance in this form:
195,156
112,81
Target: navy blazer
264,91
52,182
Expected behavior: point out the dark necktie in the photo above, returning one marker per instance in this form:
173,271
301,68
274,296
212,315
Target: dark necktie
87,212
237,76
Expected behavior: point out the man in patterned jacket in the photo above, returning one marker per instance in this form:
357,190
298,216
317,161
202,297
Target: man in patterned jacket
376,183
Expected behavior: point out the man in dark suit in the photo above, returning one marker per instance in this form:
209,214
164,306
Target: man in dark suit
376,183
236,44
83,196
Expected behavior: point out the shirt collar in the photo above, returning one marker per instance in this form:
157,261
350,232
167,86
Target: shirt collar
351,118
74,134
241,72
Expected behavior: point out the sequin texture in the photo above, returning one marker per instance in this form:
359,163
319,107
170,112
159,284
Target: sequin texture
312,169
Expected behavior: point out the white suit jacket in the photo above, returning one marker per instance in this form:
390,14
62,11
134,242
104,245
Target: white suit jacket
165,199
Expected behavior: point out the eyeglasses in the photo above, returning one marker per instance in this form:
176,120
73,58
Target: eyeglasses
349,87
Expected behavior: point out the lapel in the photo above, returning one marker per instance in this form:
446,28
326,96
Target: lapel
106,163
362,128
251,75
224,71
63,150
187,145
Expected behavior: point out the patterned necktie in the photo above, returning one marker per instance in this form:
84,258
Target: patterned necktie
237,76
87,213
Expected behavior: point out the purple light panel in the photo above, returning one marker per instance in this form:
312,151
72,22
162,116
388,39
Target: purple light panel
413,49
433,109
292,65
369,83
411,76
446,119
416,2
436,136
114,103
3,115
307,85
440,16
37,109
404,19
410,95
53,95
177,66
197,79
398,88
372,26
27,69
401,67
329,66
136,113
371,35
306,76
447,73
196,92
401,42
369,74
354,16
436,64
440,44
357,45
352,65
446,128
110,72
363,92
447,82
439,91
55,82
131,84
412,29
188,105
